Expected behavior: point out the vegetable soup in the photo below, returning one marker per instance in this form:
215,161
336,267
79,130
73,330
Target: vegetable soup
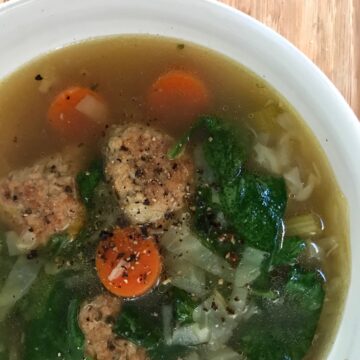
159,201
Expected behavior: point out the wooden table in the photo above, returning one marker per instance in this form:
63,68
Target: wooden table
328,31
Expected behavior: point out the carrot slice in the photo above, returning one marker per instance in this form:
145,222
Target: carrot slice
128,264
178,96
77,112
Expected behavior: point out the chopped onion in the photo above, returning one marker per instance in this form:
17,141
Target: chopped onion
18,282
276,159
119,270
247,271
215,315
297,188
93,108
190,335
267,158
167,312
185,275
180,241
26,241
12,238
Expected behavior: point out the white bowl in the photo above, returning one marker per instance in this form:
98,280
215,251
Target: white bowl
31,27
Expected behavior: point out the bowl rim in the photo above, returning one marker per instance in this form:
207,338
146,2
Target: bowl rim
344,139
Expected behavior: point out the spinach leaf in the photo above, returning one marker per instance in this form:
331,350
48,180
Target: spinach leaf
145,329
255,205
184,305
88,180
210,225
53,330
168,352
290,251
285,326
225,149
305,290
75,338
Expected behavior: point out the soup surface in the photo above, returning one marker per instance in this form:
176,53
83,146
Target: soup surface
159,201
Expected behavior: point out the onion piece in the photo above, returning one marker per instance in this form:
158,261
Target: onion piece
190,335
18,283
93,109
12,238
167,314
296,186
180,241
276,159
246,272
185,275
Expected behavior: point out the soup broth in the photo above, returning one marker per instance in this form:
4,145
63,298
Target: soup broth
123,70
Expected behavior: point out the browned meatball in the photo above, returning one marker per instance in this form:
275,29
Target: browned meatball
41,200
95,320
149,185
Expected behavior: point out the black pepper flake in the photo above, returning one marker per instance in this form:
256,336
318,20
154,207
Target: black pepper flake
124,148
230,311
168,215
38,77
146,202
214,306
139,172
15,197
32,255
111,346
144,230
180,46
94,86
109,320
28,211
104,234
68,189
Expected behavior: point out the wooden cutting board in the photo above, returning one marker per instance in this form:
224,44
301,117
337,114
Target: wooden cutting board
327,31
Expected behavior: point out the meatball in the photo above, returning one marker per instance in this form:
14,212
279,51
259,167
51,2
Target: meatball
95,321
41,200
150,186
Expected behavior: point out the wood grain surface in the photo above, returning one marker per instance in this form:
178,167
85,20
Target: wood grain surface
327,31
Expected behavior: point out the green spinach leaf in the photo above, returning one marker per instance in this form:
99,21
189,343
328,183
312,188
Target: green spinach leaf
211,227
289,252
285,326
255,205
184,305
88,180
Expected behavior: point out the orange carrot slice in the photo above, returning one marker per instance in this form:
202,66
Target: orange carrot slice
77,112
178,97
128,264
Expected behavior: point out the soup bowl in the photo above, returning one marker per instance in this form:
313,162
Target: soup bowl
29,28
